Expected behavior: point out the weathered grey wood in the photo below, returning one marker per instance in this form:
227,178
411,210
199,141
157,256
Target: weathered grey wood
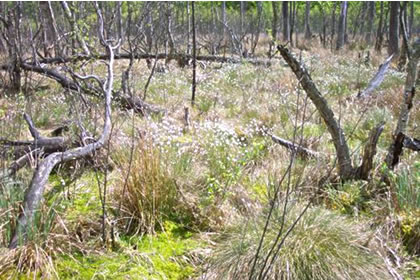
394,149
411,143
300,150
377,79
345,168
36,189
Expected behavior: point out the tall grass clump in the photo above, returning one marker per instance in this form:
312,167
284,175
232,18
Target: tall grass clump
323,245
146,193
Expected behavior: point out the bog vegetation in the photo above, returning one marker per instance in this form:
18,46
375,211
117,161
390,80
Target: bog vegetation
209,140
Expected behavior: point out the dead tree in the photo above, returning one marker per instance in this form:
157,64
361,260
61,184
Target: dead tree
342,26
394,27
74,27
346,170
34,194
395,149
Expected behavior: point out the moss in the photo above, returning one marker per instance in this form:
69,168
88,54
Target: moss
151,257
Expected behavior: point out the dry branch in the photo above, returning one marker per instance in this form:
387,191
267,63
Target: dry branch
377,79
345,168
36,189
411,143
300,150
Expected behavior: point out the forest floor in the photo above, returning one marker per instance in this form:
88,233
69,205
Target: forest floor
190,202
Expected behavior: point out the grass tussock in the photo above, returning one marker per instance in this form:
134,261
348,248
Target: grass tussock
31,260
323,245
149,195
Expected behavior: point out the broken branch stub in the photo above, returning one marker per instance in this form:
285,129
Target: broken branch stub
377,80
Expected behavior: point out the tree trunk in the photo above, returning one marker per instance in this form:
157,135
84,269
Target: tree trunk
224,19
258,27
333,23
275,20
345,168
307,23
169,16
286,25
119,25
404,48
411,20
394,150
371,16
394,27
189,28
194,84
292,21
242,16
379,32
341,26
149,27
74,27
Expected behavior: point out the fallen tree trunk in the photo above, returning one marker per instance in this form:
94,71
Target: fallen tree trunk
377,79
184,57
300,150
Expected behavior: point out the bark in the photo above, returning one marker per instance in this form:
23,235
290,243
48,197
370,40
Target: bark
275,20
395,148
379,32
343,155
169,28
411,20
342,26
323,35
333,23
300,150
258,28
224,20
194,83
394,47
286,22
292,22
411,143
119,25
189,28
242,16
371,17
149,30
377,79
209,58
308,34
404,48
36,188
